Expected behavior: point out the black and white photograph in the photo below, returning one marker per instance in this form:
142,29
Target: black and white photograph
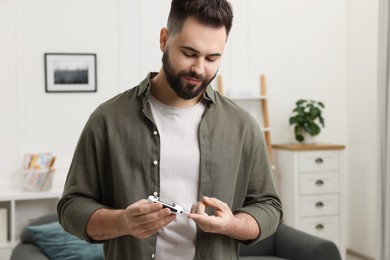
67,72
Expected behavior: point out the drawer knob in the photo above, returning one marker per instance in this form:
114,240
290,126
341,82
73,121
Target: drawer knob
319,160
319,182
319,227
319,204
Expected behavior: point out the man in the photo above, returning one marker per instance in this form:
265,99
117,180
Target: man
175,137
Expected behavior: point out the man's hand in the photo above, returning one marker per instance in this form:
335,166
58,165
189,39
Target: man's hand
141,220
218,223
240,226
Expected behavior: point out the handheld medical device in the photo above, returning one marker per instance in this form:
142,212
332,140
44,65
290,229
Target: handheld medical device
175,208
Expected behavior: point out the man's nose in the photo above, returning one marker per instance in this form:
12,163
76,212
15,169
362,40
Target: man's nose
198,67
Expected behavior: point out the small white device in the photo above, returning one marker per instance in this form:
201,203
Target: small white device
175,209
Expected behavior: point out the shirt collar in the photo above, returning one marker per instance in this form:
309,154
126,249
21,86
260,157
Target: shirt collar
144,88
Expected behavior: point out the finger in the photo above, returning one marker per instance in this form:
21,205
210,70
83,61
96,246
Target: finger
215,203
193,207
198,208
146,230
143,207
152,217
199,218
160,223
205,222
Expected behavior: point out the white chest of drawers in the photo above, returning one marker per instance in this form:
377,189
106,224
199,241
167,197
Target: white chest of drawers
310,181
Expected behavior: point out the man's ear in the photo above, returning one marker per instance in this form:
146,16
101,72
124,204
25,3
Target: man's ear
163,39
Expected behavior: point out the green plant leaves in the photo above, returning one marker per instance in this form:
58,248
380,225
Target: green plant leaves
307,117
312,128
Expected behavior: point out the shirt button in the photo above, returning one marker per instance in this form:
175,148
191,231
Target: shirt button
155,162
153,256
155,132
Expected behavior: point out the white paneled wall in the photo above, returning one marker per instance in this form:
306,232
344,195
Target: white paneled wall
9,98
38,121
299,45
295,45
363,115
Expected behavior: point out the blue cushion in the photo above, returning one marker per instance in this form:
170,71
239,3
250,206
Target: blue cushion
58,244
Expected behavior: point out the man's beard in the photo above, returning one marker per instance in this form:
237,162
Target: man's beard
185,91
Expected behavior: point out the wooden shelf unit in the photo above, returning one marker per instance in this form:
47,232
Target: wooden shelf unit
262,97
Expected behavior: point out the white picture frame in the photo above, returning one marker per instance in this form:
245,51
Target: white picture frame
70,72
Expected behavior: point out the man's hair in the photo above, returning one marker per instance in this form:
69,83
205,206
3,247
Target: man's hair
216,13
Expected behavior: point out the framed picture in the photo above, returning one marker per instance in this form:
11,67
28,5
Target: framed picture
70,72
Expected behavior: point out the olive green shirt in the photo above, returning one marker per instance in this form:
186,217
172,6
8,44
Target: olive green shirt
116,163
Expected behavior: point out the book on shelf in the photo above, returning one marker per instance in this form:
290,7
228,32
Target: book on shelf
39,161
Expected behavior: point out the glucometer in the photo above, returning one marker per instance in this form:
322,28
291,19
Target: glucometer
175,209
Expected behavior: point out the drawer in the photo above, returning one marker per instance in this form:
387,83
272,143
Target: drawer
316,161
319,205
318,183
325,227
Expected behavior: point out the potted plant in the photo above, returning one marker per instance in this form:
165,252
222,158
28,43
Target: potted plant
307,118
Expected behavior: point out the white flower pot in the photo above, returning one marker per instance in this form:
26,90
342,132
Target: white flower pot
308,139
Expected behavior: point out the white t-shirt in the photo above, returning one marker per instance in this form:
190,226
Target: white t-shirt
179,174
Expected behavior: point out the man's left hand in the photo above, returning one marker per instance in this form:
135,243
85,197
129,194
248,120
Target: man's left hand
241,226
219,223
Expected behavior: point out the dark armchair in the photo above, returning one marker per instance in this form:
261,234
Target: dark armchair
292,244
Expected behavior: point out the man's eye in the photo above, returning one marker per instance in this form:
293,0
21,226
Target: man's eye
211,59
188,54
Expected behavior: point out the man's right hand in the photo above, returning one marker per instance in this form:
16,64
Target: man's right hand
141,220
144,219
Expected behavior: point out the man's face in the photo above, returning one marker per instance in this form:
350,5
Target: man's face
191,58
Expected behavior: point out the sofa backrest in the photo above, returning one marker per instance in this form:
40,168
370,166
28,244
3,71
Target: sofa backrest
26,237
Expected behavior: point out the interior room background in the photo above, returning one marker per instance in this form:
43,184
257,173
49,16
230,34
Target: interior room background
324,50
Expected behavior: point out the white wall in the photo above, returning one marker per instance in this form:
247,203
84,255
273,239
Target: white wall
9,101
362,109
35,121
299,45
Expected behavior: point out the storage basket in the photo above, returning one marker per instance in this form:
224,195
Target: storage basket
38,180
